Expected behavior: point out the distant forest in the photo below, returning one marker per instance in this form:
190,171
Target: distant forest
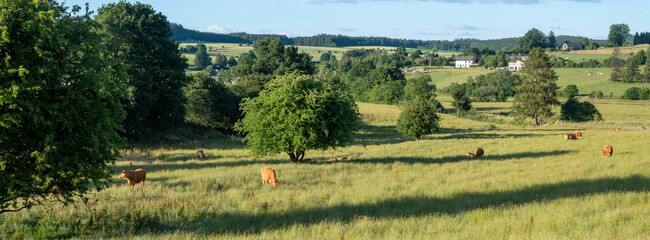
182,34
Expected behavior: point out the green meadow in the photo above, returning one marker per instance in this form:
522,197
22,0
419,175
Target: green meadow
530,184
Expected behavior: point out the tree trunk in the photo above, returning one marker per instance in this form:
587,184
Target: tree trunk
535,121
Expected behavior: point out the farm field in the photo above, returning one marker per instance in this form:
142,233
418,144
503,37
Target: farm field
598,54
530,184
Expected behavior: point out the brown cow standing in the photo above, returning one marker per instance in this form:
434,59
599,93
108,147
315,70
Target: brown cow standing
617,129
608,150
133,177
479,152
200,154
577,133
569,136
306,160
268,175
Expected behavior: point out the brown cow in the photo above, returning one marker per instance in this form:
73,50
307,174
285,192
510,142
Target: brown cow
306,160
569,136
617,129
343,158
608,150
268,175
577,133
200,154
479,153
55,191
133,177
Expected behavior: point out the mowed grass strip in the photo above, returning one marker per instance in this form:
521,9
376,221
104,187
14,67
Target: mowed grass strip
530,184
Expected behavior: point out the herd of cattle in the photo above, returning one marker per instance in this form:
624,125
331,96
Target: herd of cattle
268,174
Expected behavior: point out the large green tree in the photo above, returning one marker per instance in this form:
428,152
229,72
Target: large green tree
139,37
201,57
552,41
461,101
418,117
537,89
296,113
617,34
209,103
59,104
616,63
532,39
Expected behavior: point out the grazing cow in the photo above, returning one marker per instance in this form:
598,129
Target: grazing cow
306,160
569,136
608,150
643,128
133,177
55,191
200,154
344,158
268,175
617,129
577,133
479,153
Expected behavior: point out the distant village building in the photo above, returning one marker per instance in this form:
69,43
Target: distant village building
572,46
515,65
465,61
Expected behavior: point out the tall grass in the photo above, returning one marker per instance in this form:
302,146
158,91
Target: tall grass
530,184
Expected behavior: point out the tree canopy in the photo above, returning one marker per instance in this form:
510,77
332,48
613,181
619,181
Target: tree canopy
139,37
532,39
418,117
537,91
617,34
209,103
59,104
296,113
201,57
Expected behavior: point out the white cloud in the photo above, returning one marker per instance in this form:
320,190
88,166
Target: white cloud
216,29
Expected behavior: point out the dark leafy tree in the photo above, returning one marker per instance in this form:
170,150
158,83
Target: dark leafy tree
532,39
326,56
461,101
156,72
220,62
419,86
418,117
552,41
537,91
296,113
59,104
569,91
637,93
495,86
616,63
201,57
576,111
645,74
631,71
210,103
386,85
617,34
232,62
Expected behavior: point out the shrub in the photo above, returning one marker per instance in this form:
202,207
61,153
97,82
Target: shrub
418,118
574,110
569,91
632,93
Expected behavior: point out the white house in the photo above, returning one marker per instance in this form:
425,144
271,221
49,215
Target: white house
464,61
515,65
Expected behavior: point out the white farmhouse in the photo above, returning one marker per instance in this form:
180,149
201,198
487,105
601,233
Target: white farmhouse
515,65
464,61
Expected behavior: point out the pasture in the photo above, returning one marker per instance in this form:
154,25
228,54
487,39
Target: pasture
530,184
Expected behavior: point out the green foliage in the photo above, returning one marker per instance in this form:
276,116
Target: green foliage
201,58
209,103
220,61
576,111
552,41
419,86
569,91
596,94
631,71
616,63
532,39
537,91
386,85
617,34
59,104
231,62
461,101
492,87
418,118
156,72
296,113
327,56
637,93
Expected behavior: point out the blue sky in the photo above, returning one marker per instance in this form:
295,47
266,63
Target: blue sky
412,19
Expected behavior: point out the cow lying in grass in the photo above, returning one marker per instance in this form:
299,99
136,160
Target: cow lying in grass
200,154
577,133
479,153
133,177
268,175
569,136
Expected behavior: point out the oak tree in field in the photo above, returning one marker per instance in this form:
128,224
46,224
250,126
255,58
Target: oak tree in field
537,90
532,39
139,36
59,104
418,117
296,113
461,101
617,34
201,57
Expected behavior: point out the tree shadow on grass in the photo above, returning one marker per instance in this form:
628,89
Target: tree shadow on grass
460,158
262,219
377,135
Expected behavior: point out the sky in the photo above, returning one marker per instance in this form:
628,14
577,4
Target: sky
410,19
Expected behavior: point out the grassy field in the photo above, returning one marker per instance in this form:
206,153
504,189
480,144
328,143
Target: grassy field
530,184
598,54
